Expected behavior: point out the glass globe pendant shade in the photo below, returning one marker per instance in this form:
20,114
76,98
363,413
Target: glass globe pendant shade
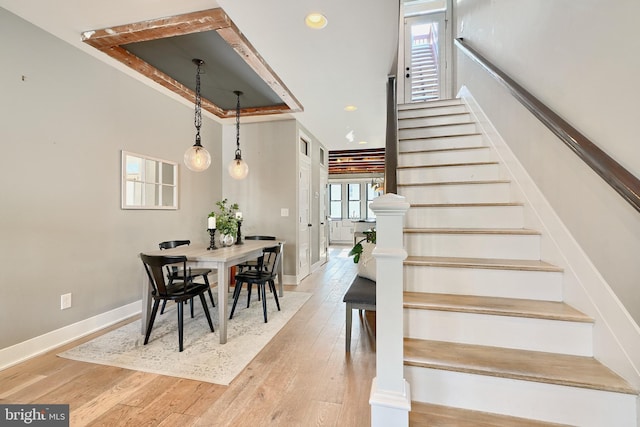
197,158
238,168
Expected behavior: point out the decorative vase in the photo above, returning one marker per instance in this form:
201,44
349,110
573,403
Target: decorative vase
227,239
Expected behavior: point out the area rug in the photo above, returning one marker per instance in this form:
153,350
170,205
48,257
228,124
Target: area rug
203,358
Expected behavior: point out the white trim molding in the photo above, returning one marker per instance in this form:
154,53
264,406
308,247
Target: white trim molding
20,352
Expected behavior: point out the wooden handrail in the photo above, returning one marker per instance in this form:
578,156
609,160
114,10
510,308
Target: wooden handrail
623,181
391,145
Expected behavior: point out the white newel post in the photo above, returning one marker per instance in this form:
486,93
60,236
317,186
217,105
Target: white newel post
390,397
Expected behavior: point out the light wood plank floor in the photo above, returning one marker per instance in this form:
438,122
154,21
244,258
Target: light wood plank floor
303,377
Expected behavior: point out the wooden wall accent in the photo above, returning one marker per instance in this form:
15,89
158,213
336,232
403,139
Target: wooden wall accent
110,41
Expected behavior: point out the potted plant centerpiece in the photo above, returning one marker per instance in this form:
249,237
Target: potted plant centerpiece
226,222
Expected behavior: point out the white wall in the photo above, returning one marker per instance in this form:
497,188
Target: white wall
577,57
62,128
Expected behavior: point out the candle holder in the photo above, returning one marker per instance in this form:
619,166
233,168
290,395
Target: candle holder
239,237
212,239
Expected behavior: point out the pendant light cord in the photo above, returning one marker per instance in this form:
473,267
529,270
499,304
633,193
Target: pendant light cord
198,118
238,152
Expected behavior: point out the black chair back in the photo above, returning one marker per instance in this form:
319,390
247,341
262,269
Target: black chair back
153,265
270,258
173,244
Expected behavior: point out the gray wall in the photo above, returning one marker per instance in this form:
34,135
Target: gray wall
270,151
578,58
62,129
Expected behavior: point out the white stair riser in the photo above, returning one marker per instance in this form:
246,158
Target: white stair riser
535,285
500,331
444,157
440,142
430,104
433,120
465,217
545,402
483,172
505,246
458,129
457,193
433,111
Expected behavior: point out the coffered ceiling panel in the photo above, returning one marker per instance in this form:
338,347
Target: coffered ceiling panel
163,50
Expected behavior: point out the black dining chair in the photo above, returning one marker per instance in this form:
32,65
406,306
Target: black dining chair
177,291
174,273
253,263
265,274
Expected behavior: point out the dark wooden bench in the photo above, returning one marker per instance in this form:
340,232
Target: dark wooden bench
361,295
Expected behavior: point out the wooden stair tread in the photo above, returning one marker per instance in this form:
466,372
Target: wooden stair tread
430,117
439,125
550,368
430,415
437,150
441,136
485,263
502,231
449,165
430,104
550,310
464,205
488,181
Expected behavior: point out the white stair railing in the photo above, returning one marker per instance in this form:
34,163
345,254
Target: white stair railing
390,397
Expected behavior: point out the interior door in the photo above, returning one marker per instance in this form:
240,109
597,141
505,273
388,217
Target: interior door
304,216
425,57
324,218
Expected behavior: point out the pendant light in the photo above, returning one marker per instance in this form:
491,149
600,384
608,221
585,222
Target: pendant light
197,158
238,168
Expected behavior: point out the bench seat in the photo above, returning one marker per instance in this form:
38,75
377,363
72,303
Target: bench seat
361,295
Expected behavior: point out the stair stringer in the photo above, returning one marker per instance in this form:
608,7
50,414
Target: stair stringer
616,336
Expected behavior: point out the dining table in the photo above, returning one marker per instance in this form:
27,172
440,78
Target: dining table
221,259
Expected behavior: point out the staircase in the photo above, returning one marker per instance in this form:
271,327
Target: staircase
424,73
488,339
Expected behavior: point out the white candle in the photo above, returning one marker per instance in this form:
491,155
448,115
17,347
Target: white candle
239,215
212,223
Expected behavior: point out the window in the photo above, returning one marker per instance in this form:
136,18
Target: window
148,183
354,200
335,201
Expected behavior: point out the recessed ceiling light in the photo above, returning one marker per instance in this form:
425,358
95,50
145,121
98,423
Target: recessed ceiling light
315,21
350,108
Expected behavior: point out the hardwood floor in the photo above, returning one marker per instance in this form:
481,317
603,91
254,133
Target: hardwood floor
303,377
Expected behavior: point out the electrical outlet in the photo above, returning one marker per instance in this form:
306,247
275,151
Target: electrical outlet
65,301
284,212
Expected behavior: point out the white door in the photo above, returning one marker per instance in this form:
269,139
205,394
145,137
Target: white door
304,216
425,57
324,218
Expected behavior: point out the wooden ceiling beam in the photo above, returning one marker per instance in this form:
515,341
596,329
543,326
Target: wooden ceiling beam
206,20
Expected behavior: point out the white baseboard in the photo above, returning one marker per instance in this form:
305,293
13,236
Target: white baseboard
616,335
35,346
